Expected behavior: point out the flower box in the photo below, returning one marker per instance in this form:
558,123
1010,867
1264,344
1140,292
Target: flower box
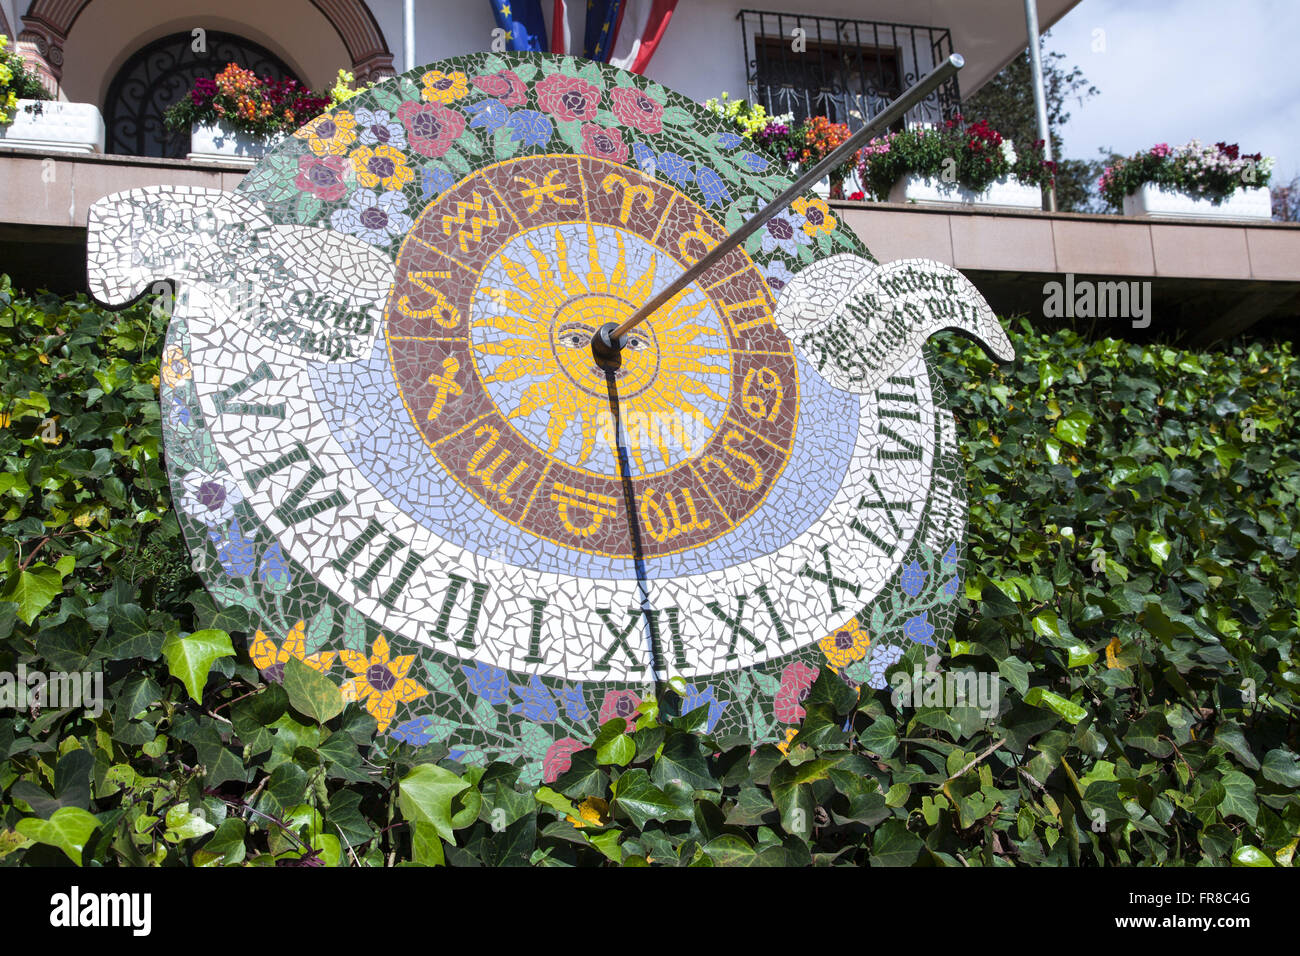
220,142
1160,202
51,126
1005,192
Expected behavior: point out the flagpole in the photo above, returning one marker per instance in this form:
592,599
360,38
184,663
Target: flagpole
606,343
408,35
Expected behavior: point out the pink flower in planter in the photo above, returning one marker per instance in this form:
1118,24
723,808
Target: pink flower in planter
322,176
559,757
633,108
430,128
1160,150
568,98
603,143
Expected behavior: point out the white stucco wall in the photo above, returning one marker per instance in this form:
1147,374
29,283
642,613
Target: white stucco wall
702,53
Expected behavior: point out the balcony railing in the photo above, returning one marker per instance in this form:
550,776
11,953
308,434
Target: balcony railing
846,70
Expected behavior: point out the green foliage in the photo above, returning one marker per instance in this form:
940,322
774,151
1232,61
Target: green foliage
17,82
1132,579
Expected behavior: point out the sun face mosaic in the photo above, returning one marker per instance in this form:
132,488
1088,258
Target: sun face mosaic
501,285
396,459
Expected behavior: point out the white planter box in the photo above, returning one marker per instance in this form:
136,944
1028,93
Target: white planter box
1160,202
58,127
1006,192
220,143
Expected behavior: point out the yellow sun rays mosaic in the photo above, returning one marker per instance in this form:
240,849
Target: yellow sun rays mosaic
546,328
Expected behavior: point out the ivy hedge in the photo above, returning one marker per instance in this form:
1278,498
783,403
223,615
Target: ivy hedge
1131,580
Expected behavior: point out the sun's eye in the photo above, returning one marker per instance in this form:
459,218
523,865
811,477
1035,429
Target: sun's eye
574,335
634,342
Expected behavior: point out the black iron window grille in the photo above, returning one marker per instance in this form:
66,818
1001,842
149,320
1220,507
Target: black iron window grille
158,75
845,70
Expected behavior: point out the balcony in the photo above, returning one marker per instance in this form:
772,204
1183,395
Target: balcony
846,70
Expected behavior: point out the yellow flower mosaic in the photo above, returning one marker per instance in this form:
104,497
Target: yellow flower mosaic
175,366
817,216
845,645
267,656
381,684
382,164
330,134
440,87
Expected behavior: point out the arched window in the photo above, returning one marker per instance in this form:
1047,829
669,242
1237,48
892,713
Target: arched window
158,75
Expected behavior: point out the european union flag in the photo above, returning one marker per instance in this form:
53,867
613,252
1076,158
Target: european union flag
602,27
522,20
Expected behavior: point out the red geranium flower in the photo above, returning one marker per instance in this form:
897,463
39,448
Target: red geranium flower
619,703
505,86
430,128
796,680
559,757
603,143
568,98
322,176
633,108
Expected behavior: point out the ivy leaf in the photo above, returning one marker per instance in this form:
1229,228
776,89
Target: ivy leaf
893,844
1073,428
636,795
1282,767
1251,856
425,795
311,692
426,847
1065,709
1158,547
612,744
190,657
681,760
32,590
1239,797
68,829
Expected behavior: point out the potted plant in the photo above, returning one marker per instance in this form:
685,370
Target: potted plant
31,119
799,145
238,117
1190,181
955,163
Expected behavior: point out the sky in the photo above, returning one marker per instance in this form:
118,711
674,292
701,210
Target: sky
1174,70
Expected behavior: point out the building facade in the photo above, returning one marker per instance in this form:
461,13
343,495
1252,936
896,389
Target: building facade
131,59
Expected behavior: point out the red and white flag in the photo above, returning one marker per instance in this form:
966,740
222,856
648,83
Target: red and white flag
561,41
641,25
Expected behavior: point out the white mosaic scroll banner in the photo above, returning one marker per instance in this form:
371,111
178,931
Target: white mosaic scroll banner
859,322
305,292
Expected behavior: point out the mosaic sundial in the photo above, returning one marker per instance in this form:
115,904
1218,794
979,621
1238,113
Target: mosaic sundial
389,442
